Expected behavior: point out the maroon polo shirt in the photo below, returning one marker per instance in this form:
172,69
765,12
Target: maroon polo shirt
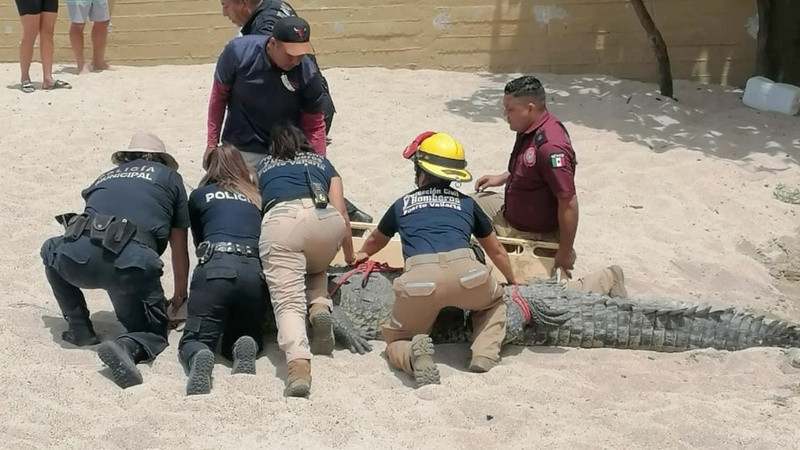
542,168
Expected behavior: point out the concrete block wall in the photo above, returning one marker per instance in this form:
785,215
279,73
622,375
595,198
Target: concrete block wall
709,40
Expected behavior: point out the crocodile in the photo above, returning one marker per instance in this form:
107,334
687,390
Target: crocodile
556,316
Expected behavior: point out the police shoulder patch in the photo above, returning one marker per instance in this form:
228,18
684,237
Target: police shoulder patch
539,138
529,157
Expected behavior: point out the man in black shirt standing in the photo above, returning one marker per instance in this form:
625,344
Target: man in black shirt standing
258,17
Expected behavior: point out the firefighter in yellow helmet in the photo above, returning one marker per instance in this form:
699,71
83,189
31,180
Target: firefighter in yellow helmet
436,222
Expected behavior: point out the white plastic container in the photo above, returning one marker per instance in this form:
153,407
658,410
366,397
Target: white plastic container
764,94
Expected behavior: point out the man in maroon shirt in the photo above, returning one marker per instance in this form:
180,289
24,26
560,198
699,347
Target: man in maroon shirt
540,198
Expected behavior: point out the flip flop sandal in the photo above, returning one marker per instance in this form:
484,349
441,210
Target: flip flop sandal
58,84
27,87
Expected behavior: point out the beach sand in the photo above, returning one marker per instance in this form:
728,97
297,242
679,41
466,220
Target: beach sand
679,193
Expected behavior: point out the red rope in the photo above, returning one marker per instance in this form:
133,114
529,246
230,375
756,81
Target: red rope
523,305
365,268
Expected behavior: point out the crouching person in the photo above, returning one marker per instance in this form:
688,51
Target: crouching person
436,223
304,225
131,213
228,295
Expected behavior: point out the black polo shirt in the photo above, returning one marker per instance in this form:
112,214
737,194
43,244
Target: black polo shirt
265,15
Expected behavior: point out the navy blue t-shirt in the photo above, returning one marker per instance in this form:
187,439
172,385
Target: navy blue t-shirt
265,15
286,179
262,95
149,194
435,219
220,215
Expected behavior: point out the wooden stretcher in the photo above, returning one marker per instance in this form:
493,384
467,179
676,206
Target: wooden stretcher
529,259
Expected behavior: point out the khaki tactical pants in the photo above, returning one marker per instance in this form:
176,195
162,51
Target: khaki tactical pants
298,242
492,203
433,281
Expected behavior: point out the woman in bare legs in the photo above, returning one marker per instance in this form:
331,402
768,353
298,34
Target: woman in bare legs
38,18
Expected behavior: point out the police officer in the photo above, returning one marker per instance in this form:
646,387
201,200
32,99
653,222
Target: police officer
436,223
228,291
304,225
258,17
131,213
540,197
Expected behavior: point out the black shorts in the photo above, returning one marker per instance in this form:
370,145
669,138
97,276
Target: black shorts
36,6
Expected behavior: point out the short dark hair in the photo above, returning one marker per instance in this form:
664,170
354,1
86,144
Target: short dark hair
287,140
527,86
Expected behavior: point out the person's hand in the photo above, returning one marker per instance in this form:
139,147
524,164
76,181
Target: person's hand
205,155
488,181
361,257
565,260
177,301
350,259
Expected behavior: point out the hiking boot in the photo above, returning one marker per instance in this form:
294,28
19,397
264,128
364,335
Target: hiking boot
322,340
244,355
422,364
121,356
618,283
200,368
80,335
298,380
481,364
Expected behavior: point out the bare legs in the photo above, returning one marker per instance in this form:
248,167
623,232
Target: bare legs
47,27
99,39
30,29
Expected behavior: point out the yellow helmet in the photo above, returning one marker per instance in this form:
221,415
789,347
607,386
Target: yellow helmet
439,155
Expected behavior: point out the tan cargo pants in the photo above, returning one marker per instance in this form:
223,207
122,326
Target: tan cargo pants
298,242
600,282
433,281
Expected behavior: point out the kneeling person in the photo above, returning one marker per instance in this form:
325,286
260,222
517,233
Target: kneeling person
229,295
131,213
436,223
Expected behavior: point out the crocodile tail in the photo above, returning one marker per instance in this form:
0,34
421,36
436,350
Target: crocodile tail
600,321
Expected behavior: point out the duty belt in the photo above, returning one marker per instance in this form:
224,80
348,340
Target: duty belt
270,204
206,249
112,232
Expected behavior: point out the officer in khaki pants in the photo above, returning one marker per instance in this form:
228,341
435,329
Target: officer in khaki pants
305,223
436,223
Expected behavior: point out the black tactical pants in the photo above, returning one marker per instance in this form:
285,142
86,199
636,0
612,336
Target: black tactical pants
132,279
228,297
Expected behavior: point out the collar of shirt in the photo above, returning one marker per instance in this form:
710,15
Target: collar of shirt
538,123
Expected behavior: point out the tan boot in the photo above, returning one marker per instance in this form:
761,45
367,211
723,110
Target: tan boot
322,341
298,380
422,364
618,284
481,364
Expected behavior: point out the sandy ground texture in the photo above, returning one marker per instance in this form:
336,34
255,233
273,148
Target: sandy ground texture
679,193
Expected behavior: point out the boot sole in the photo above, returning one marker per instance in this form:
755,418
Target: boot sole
322,341
123,369
200,374
425,370
244,356
299,388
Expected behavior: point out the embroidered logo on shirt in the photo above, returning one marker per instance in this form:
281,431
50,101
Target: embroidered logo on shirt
287,84
529,157
557,160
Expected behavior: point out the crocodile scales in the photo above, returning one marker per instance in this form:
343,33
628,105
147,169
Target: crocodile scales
567,318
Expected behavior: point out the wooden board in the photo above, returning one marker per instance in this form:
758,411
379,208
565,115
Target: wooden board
528,258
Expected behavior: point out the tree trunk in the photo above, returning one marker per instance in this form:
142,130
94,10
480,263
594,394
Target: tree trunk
763,63
659,47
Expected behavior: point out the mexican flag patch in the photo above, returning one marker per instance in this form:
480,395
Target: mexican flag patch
558,160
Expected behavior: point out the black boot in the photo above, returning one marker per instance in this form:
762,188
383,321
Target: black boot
121,357
80,334
200,366
355,214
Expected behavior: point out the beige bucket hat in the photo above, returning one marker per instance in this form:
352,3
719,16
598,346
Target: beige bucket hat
143,141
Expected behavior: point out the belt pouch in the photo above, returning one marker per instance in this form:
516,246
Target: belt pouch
317,191
74,228
117,235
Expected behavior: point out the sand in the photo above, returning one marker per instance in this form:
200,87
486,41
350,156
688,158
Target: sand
677,193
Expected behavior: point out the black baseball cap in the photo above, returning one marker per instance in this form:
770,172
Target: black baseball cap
295,34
